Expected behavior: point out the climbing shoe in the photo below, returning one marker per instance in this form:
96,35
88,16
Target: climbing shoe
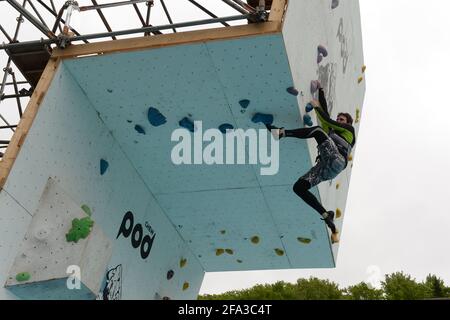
329,221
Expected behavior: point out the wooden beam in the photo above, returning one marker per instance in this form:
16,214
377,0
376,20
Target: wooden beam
26,122
277,11
165,40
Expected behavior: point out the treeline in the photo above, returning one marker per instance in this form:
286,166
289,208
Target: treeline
396,286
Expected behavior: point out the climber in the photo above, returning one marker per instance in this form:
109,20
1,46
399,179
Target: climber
335,141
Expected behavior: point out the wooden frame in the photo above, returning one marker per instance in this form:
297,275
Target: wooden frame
274,25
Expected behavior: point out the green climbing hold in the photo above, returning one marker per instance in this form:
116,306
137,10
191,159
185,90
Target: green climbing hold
183,263
255,240
223,231
87,210
279,252
81,228
229,251
23,276
304,240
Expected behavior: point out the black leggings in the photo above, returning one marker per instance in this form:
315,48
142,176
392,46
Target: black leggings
301,187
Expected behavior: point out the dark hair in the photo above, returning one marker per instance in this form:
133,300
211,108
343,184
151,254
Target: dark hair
347,116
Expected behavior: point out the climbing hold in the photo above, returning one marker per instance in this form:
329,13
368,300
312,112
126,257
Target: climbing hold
322,50
279,252
338,213
319,58
103,166
337,186
263,118
185,286
223,231
183,263
219,252
360,79
244,103
129,121
309,107
23,276
292,91
229,251
170,274
304,240
334,4
86,209
224,127
358,115
187,124
315,85
363,69
155,117
255,240
109,90
139,129
238,260
307,120
350,158
81,228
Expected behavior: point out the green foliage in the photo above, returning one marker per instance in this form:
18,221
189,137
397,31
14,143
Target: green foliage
396,286
363,291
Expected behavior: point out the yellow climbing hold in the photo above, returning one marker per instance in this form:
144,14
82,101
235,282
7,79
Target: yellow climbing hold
358,115
304,240
183,263
337,186
360,79
279,252
255,240
185,286
219,252
350,158
363,69
229,251
338,213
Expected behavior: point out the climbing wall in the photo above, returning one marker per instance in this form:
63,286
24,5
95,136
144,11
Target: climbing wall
336,26
69,143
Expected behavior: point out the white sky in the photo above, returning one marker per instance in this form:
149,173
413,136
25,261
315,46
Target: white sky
396,216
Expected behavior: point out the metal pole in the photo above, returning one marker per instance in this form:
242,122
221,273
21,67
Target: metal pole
105,22
206,11
16,90
54,11
110,5
31,18
8,127
5,33
37,13
7,123
245,5
235,6
132,31
168,15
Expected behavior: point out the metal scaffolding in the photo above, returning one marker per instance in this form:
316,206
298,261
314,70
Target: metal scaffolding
29,58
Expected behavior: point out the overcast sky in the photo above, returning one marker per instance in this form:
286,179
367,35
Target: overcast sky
397,217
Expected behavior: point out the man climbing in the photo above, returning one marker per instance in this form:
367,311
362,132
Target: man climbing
335,140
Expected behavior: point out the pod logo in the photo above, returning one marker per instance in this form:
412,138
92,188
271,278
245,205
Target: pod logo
138,239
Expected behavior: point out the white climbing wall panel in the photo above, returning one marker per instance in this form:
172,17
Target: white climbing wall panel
308,24
66,143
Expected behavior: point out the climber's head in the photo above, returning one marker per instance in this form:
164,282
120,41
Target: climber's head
344,118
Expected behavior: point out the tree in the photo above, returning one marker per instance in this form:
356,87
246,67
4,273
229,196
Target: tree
316,289
399,286
437,287
362,291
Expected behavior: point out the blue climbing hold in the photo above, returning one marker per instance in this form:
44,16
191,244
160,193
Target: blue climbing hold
103,166
244,103
187,123
307,120
139,129
292,91
263,118
155,117
309,107
224,127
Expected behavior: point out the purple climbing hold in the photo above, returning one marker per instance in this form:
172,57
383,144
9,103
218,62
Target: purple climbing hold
315,85
224,127
292,91
309,107
322,50
334,4
187,123
155,117
319,58
139,129
103,166
170,274
244,103
307,120
262,118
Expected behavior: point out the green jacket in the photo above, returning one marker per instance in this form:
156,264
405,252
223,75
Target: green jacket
346,131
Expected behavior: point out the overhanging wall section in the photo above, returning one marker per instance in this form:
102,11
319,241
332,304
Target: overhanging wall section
66,142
